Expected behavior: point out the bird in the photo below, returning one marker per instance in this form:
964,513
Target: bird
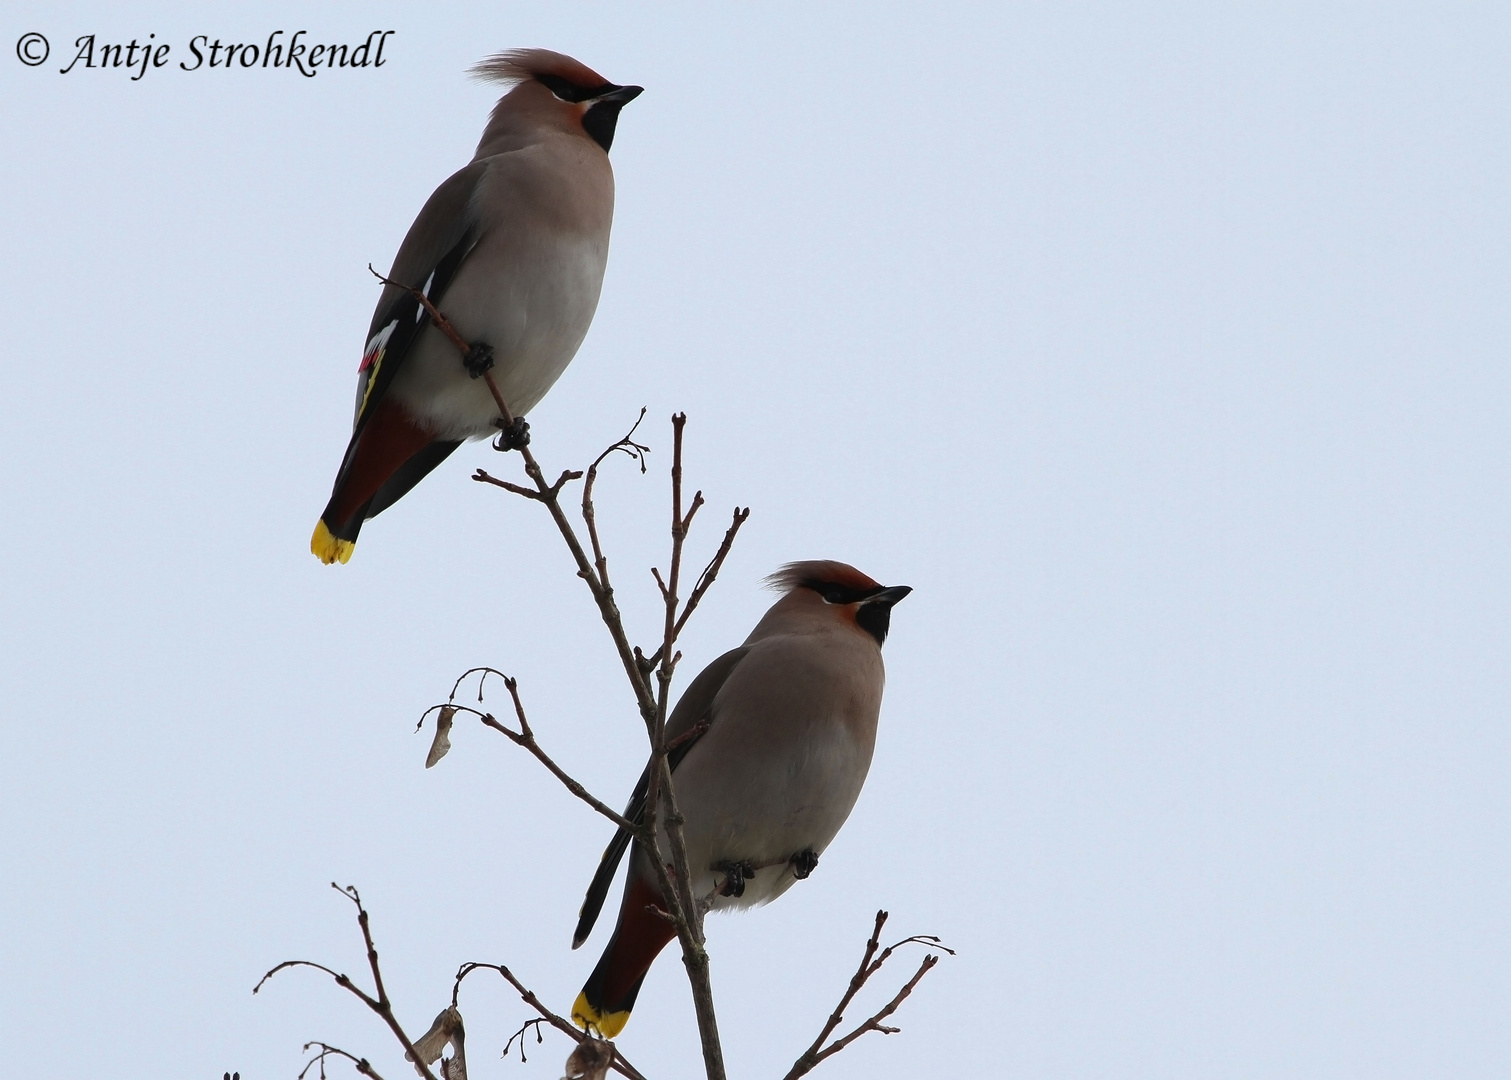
511,249
770,745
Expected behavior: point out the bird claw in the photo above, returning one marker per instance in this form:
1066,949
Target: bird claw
735,875
479,359
803,863
513,436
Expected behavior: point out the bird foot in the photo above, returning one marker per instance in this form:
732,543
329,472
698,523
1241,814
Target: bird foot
735,874
479,359
803,863
515,436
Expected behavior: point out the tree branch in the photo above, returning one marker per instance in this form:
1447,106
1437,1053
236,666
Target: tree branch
360,1064
526,739
814,1054
520,1035
705,579
566,1027
676,890
634,450
547,493
379,1004
677,887
675,881
604,598
383,1008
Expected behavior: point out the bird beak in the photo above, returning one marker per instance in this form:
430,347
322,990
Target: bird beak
620,95
889,596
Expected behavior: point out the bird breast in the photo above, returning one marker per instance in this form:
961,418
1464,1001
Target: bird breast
529,288
784,760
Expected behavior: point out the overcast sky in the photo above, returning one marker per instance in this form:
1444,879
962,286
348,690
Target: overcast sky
1164,352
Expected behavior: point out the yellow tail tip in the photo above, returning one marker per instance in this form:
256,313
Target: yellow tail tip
585,1016
327,548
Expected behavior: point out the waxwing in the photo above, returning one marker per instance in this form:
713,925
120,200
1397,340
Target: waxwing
511,250
789,723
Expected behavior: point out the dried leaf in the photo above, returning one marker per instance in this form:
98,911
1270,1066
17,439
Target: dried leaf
591,1060
442,741
446,1029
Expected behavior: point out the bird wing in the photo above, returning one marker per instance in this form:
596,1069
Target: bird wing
438,242
696,705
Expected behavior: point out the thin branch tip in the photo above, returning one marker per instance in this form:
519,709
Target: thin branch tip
817,1051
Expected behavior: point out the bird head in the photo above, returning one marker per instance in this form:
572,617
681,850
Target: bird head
844,591
553,89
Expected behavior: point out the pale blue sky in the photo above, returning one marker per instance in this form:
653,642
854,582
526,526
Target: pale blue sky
1162,350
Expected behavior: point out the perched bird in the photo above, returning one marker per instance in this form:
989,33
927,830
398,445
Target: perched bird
788,723
511,250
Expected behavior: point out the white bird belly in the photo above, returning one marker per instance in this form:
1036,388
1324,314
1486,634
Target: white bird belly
775,806
534,306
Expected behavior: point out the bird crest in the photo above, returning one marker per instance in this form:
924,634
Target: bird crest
517,65
817,572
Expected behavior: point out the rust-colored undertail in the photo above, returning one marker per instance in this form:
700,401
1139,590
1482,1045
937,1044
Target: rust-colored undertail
609,994
391,450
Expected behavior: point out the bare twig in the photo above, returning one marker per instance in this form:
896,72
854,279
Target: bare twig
442,323
520,1035
608,610
817,1052
565,1026
525,737
361,1064
691,734
539,496
341,980
705,579
676,887
634,450
487,478
379,1004
874,1022
486,672
862,973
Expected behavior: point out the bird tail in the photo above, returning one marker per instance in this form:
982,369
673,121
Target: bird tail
386,457
606,1024
610,992
329,548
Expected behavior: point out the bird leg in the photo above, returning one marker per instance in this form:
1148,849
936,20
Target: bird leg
803,863
514,435
479,359
735,874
